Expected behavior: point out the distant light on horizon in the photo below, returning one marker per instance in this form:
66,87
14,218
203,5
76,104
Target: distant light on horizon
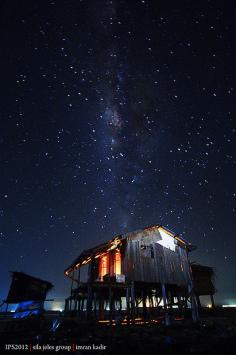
57,309
56,306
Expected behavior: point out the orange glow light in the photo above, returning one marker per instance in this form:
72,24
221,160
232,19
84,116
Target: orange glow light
103,266
117,263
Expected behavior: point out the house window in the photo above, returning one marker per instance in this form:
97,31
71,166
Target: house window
117,263
147,251
110,264
103,266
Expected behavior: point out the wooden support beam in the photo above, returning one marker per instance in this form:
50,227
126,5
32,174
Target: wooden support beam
194,307
82,305
110,304
127,304
79,306
120,304
95,304
132,301
212,301
89,303
101,306
167,318
72,283
171,299
89,293
198,302
66,305
144,305
180,305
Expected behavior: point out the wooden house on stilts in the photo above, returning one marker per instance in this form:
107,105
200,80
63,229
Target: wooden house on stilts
141,276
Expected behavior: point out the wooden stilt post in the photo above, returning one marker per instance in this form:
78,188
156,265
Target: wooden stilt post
76,302
180,308
120,304
212,301
72,283
110,305
156,304
132,302
95,304
198,302
127,304
144,305
167,319
171,299
78,275
89,301
89,295
82,306
79,300
150,305
195,315
101,306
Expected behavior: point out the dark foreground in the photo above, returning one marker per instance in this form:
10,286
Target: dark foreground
214,334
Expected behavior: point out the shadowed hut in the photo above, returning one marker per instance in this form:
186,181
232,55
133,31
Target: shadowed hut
203,282
28,292
142,273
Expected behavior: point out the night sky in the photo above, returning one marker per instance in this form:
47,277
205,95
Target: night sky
116,115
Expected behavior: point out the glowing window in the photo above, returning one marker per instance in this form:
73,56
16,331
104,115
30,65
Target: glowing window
103,266
117,263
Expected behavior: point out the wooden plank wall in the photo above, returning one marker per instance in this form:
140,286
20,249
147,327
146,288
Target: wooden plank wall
146,260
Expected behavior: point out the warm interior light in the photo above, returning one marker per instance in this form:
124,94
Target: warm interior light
117,263
103,266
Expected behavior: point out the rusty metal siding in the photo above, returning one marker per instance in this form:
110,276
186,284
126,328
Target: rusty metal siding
146,260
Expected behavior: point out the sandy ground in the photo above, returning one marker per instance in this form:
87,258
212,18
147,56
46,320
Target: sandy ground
214,334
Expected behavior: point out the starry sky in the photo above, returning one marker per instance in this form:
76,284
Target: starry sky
116,115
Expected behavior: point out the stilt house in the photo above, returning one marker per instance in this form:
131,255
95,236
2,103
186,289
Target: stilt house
139,273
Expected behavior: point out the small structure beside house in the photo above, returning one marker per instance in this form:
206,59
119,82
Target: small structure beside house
203,282
28,292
